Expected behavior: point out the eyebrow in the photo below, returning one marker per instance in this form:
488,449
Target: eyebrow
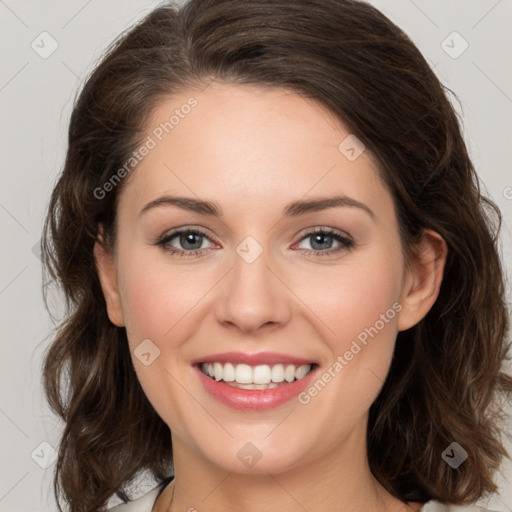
294,209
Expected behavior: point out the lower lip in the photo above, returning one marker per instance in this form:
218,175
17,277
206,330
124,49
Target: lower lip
254,399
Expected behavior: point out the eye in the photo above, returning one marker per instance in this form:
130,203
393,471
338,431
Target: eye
191,241
321,241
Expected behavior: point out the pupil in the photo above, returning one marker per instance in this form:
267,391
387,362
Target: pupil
189,239
318,239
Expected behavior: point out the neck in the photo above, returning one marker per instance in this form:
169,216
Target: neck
340,480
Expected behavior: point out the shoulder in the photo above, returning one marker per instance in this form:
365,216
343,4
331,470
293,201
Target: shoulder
143,504
436,506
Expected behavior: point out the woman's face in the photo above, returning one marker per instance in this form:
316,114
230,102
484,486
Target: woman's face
257,287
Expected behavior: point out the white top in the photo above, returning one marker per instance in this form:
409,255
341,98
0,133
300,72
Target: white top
146,502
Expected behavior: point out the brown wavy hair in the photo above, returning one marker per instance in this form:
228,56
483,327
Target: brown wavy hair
446,381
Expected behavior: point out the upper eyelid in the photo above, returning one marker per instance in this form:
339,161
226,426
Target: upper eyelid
178,231
330,231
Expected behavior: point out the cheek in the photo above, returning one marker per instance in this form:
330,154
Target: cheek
155,296
358,304
356,296
150,305
156,300
360,310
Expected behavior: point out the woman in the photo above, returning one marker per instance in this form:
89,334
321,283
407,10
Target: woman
283,285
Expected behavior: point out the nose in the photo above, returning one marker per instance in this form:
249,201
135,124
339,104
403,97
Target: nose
254,296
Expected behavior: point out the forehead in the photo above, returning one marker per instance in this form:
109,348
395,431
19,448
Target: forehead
250,147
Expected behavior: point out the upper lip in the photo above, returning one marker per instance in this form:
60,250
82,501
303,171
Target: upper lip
269,358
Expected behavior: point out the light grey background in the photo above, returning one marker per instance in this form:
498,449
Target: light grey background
36,96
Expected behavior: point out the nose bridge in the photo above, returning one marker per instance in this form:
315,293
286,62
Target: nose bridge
252,295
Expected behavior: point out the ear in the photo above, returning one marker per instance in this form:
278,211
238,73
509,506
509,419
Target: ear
105,266
422,280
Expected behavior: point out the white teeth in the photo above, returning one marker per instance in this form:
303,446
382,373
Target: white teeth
272,385
277,373
289,373
261,376
228,373
243,374
217,370
302,371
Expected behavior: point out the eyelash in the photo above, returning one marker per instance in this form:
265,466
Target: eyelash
346,242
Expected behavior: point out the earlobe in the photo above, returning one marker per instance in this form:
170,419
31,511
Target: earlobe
105,267
422,280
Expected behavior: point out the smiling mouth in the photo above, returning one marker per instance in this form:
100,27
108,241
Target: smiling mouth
244,376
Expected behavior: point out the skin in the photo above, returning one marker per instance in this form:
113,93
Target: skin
253,150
